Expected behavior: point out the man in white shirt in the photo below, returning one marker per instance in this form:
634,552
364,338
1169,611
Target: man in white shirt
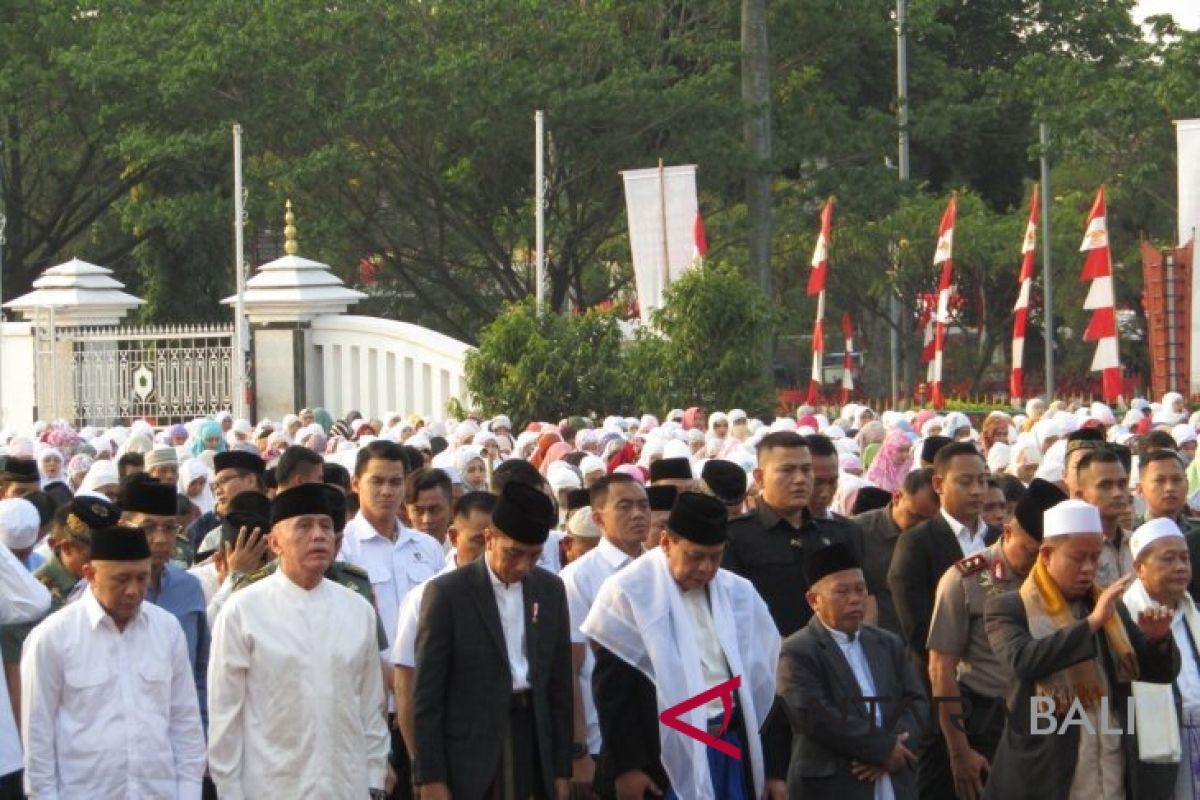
109,704
22,599
395,557
296,702
621,508
472,515
1160,555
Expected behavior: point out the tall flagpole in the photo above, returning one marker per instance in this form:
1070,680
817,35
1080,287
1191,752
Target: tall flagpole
903,170
539,160
1047,276
241,349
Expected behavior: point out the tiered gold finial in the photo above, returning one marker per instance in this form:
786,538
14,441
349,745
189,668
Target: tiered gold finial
289,231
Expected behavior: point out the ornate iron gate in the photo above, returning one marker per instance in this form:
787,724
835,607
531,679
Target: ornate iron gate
165,374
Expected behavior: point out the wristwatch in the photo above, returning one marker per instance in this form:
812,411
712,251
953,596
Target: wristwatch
579,750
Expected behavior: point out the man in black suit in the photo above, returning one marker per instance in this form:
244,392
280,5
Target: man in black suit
842,746
922,556
492,689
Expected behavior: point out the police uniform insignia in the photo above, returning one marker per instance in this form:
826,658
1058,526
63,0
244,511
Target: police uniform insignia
999,571
971,564
350,585
418,557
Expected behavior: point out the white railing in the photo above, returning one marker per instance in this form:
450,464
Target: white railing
376,366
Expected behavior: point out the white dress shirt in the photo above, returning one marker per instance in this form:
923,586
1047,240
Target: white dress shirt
551,557
295,694
510,601
1188,679
582,579
971,541
852,649
394,567
22,599
206,573
713,667
404,647
110,713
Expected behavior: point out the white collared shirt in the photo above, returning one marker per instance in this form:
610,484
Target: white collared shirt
852,649
295,694
1188,679
393,567
404,647
22,599
582,579
510,601
110,713
713,666
971,542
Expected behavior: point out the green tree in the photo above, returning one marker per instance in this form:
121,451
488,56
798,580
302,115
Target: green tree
547,366
706,346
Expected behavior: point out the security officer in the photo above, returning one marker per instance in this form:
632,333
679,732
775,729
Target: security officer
961,661
72,545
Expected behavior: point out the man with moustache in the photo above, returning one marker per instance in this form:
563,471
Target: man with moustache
1074,652
296,701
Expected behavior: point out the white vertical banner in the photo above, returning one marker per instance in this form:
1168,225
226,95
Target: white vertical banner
1187,132
661,205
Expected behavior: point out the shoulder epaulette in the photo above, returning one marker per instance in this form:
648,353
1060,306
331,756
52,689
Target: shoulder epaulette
971,564
353,569
251,577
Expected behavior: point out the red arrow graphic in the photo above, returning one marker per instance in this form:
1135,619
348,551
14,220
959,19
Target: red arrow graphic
671,717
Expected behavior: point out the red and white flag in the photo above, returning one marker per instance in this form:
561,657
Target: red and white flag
816,285
1101,299
943,255
699,240
848,358
1021,309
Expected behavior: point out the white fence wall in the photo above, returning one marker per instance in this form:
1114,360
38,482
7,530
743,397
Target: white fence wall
376,366
17,392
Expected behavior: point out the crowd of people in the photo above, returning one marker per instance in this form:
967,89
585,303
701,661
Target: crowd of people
835,603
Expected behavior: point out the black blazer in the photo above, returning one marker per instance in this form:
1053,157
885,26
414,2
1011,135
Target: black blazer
922,555
830,724
463,685
1034,765
627,708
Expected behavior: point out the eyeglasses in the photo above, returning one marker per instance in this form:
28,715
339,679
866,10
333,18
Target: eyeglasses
225,480
163,527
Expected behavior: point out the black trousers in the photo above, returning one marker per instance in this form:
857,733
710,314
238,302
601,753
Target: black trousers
12,786
985,726
401,763
520,774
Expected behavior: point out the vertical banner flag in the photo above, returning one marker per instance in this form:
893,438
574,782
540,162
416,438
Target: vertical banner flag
1187,150
662,208
699,240
944,255
1021,309
1101,299
848,358
816,285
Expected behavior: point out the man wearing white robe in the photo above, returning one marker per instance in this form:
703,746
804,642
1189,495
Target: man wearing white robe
672,625
1160,559
296,702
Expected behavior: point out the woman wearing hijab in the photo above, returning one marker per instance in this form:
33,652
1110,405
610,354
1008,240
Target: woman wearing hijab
892,463
544,443
193,483
695,417
208,437
469,464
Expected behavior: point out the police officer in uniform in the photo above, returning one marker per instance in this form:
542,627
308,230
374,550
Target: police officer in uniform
72,540
961,661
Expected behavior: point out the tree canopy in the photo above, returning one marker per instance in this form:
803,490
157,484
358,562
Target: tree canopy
403,133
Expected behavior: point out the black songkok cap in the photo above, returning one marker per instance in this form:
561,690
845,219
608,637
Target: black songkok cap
119,543
1040,496
699,518
523,513
239,459
725,479
144,495
21,470
931,446
578,498
307,498
671,469
662,498
870,498
246,510
828,560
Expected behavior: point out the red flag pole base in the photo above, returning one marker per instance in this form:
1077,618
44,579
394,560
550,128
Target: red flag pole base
1112,384
935,396
811,399
1015,386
